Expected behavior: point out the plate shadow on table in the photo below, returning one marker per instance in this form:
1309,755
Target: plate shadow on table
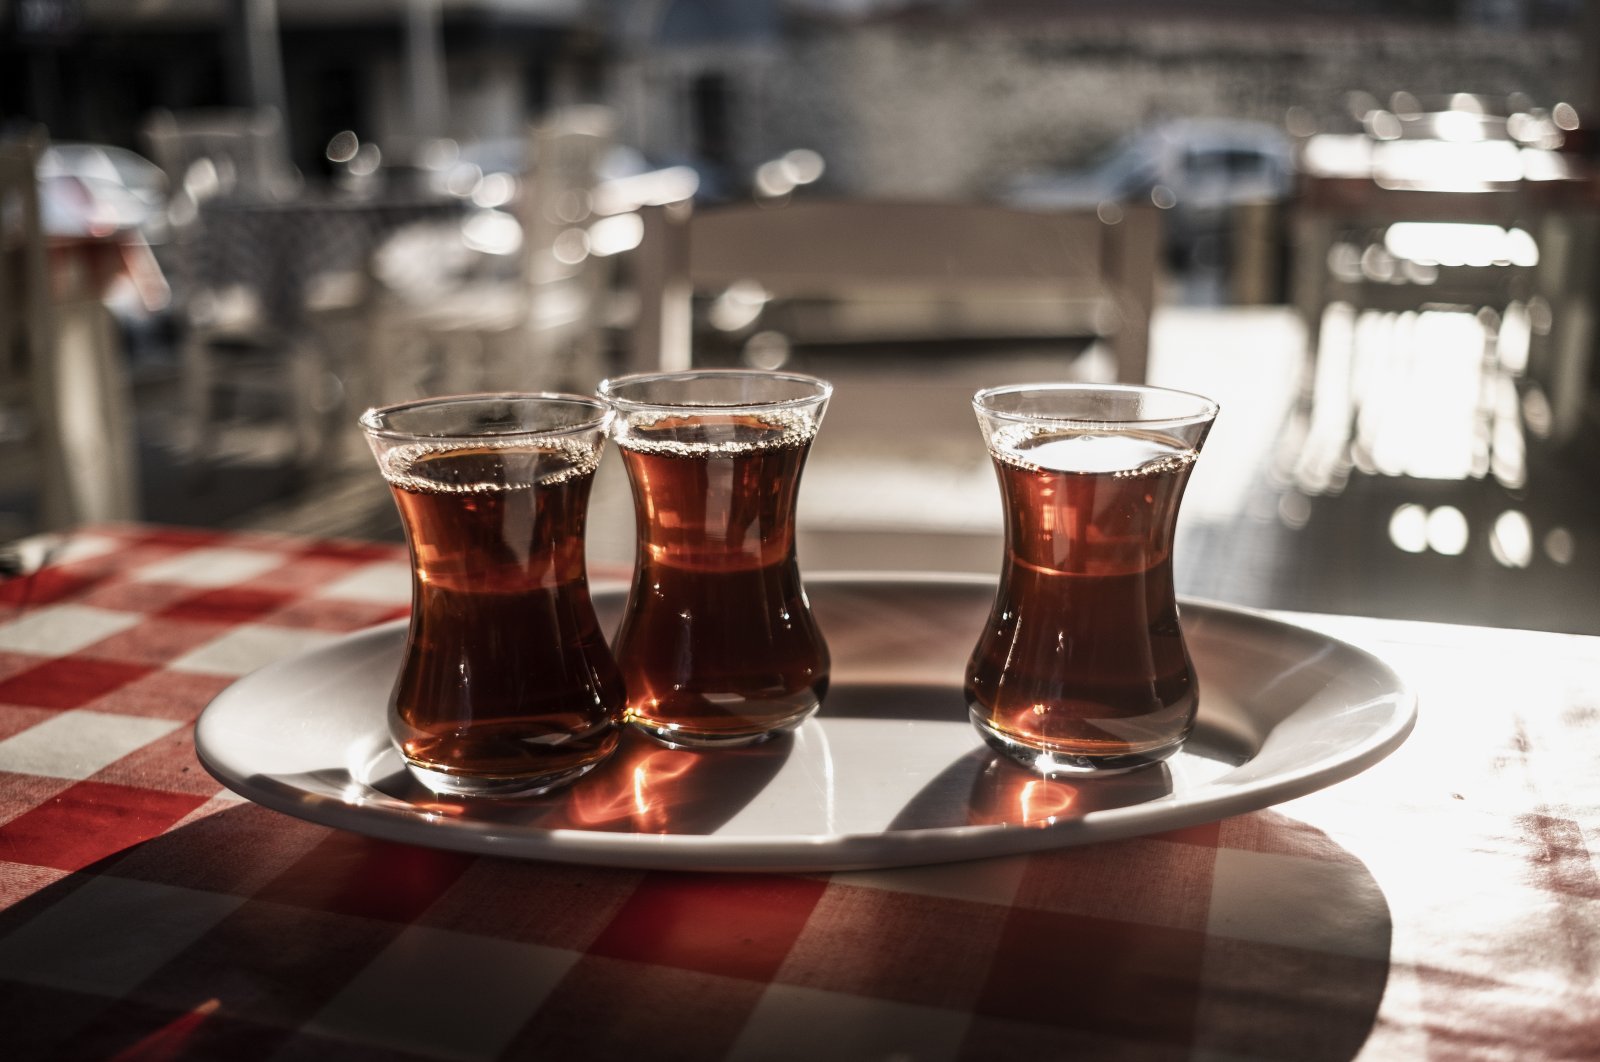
1262,938
1257,938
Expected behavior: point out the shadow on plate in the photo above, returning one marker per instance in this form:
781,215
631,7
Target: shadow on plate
983,788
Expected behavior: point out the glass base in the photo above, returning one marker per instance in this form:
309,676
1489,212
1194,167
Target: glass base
1055,762
446,784
675,736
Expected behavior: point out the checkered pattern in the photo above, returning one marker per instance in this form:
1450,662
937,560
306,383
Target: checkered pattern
1445,904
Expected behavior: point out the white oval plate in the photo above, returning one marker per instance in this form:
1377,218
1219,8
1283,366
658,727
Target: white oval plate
888,773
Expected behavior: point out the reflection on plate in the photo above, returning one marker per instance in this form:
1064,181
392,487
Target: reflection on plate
888,773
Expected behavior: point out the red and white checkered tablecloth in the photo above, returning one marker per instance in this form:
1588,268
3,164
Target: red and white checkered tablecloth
1445,904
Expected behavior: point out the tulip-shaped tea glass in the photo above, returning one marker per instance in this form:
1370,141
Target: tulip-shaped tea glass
1082,665
717,643
507,686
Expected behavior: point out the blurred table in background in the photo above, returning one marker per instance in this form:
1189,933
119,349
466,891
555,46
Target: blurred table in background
1444,903
1354,191
280,249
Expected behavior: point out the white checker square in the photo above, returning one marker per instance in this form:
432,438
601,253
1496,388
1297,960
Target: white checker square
978,880
65,946
794,1022
250,646
217,566
57,630
380,583
1273,898
79,743
486,990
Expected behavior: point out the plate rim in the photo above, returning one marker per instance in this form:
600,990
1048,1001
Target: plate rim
829,852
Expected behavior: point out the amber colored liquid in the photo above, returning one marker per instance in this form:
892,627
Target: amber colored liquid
506,671
718,641
1082,653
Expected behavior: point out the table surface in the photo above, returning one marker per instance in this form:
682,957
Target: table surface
1444,904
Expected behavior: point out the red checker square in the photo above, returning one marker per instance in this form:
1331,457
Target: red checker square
230,604
19,881
1246,1010
164,695
70,682
354,875
154,641
350,550
168,764
995,1040
1155,882
89,821
132,595
268,963
127,1031
40,1021
281,541
735,925
551,904
21,793
1268,831
914,949
328,614
182,537
45,587
1557,857
1095,975
235,850
1205,834
606,1008
14,718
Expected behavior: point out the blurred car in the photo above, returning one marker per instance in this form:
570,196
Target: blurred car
100,190
1196,169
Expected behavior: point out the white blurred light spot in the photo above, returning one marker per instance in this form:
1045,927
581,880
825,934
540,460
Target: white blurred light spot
366,161
1458,126
615,234
463,180
1294,510
1448,531
495,190
766,350
804,165
342,147
492,232
1511,540
1408,528
1565,115
1108,212
773,180
1163,197
1558,545
738,307
1458,244
570,247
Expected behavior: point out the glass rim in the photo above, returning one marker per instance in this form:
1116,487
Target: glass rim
1206,410
369,420
823,390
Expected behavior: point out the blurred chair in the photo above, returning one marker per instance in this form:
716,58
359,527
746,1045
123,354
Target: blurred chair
232,339
890,270
64,409
437,325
